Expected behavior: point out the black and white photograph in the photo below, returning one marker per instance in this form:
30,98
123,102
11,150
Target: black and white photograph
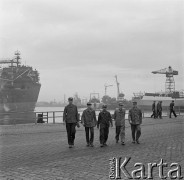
91,89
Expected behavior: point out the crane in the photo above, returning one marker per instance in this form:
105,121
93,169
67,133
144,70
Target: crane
117,83
106,86
169,83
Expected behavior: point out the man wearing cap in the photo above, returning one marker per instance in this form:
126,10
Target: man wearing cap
71,118
172,109
119,117
135,120
159,109
88,120
104,120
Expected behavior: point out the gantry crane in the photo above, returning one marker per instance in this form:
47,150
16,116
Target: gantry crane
106,86
169,83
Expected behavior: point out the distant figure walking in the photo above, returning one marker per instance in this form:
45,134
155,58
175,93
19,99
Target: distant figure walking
119,117
135,120
89,122
153,110
159,109
104,121
172,109
71,118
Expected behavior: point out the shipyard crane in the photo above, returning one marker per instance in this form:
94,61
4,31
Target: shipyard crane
106,86
169,83
117,83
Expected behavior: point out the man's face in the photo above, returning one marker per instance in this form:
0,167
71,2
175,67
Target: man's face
134,105
70,101
104,108
120,106
89,106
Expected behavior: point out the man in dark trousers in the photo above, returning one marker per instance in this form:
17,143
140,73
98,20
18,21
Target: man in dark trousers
88,120
71,118
159,109
104,121
153,110
135,120
172,109
119,118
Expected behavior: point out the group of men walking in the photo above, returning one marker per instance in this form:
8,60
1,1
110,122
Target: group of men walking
89,121
157,109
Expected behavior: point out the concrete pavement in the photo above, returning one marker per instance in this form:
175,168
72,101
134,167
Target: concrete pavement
40,152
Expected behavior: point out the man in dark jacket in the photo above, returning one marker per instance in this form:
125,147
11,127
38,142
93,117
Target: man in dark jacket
104,120
135,120
88,120
71,118
119,118
153,110
172,109
159,109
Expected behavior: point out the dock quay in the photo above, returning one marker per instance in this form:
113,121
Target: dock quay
40,151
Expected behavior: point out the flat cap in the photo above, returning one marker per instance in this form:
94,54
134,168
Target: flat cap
104,106
121,104
134,102
89,104
70,99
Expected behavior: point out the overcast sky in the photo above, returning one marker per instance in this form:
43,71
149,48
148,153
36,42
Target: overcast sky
79,45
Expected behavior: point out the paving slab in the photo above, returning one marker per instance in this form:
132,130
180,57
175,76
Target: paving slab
40,152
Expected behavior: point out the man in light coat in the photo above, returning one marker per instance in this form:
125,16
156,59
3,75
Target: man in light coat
88,120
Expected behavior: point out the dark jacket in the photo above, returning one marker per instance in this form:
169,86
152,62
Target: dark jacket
153,107
119,117
104,119
89,118
135,116
171,106
70,114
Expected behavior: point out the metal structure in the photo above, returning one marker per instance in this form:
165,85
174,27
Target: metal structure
169,83
106,86
93,95
117,83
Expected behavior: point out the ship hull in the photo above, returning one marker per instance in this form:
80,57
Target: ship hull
17,105
146,103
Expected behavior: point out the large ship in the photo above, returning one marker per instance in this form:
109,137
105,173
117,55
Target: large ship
19,90
145,100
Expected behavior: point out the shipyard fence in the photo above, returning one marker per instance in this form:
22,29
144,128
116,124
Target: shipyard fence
54,117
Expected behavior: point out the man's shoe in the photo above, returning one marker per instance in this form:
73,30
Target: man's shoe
137,141
91,145
105,144
116,141
101,145
70,146
122,143
87,145
133,141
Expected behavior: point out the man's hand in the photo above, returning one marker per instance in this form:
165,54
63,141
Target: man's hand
98,126
78,125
